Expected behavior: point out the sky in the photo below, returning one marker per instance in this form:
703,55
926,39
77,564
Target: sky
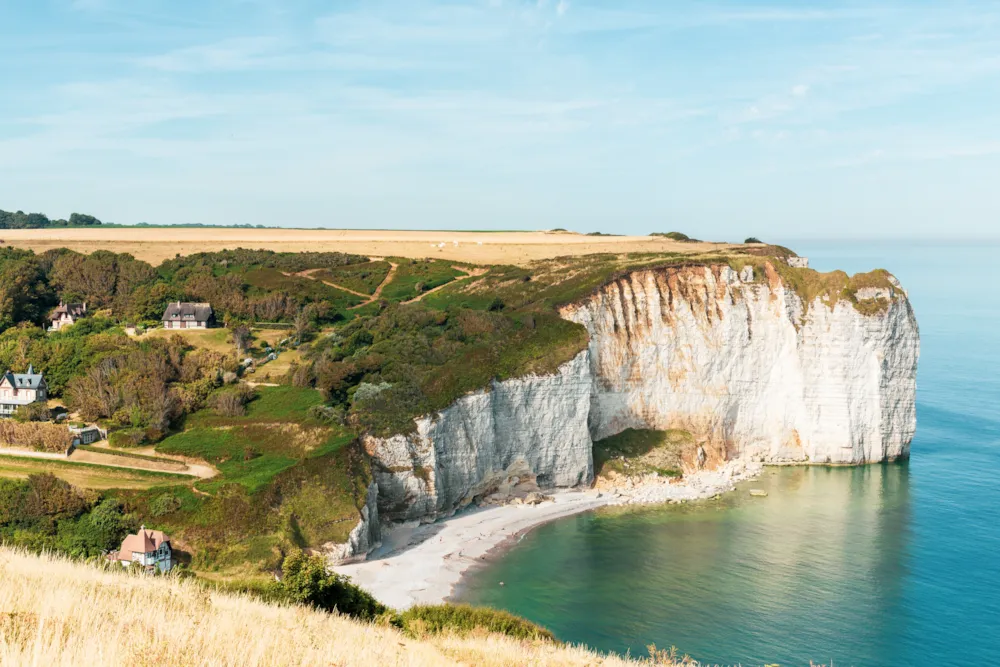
800,119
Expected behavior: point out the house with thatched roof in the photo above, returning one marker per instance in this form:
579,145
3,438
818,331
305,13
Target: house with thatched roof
186,315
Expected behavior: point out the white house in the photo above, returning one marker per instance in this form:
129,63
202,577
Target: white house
20,389
149,548
66,314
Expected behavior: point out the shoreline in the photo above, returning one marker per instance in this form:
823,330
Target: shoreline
425,563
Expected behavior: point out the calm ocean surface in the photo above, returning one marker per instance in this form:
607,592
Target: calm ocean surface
882,565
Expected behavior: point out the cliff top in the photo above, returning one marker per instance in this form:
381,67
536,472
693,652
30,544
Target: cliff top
412,359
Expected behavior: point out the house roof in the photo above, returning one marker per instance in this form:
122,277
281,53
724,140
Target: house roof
29,380
201,311
71,309
143,542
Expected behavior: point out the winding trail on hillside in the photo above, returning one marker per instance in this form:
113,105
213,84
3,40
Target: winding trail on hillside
378,290
372,298
469,273
368,298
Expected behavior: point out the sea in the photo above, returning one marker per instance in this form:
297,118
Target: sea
892,564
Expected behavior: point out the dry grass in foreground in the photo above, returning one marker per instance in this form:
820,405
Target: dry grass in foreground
57,612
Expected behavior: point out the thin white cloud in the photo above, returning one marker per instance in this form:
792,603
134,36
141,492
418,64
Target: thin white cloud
439,101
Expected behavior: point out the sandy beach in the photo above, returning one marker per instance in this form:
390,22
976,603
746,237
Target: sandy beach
422,564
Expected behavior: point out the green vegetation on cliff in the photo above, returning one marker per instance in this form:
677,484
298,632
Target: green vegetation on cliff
639,452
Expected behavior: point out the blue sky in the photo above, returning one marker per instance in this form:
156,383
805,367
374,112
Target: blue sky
722,119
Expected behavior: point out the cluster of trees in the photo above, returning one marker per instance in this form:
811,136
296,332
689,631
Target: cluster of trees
22,220
135,292
145,387
44,512
63,355
25,295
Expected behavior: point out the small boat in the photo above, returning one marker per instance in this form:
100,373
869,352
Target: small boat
758,493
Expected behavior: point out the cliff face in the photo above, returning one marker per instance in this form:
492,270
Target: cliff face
748,367
468,449
366,536
738,360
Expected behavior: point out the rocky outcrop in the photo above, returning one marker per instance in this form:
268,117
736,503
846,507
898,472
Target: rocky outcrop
535,424
745,365
366,536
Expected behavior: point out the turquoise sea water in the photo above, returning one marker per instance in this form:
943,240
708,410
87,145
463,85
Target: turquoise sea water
882,565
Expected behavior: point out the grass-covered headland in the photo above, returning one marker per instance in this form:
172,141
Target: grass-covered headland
291,472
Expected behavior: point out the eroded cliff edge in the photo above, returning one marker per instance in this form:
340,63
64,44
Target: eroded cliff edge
735,355
744,364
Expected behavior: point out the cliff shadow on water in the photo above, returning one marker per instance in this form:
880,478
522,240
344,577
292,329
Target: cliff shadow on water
732,580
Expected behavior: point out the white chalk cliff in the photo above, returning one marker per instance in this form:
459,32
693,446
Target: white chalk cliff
735,358
467,449
745,365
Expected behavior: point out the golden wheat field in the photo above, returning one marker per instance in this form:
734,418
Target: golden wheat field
56,612
155,244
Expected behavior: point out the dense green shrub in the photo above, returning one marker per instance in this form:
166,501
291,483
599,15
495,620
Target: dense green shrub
35,412
164,504
463,619
127,437
307,580
753,239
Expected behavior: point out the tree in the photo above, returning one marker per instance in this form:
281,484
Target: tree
111,524
241,337
24,293
753,239
303,323
82,220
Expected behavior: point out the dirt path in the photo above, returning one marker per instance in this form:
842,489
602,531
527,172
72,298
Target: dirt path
378,290
474,273
180,464
308,273
114,461
27,453
368,298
